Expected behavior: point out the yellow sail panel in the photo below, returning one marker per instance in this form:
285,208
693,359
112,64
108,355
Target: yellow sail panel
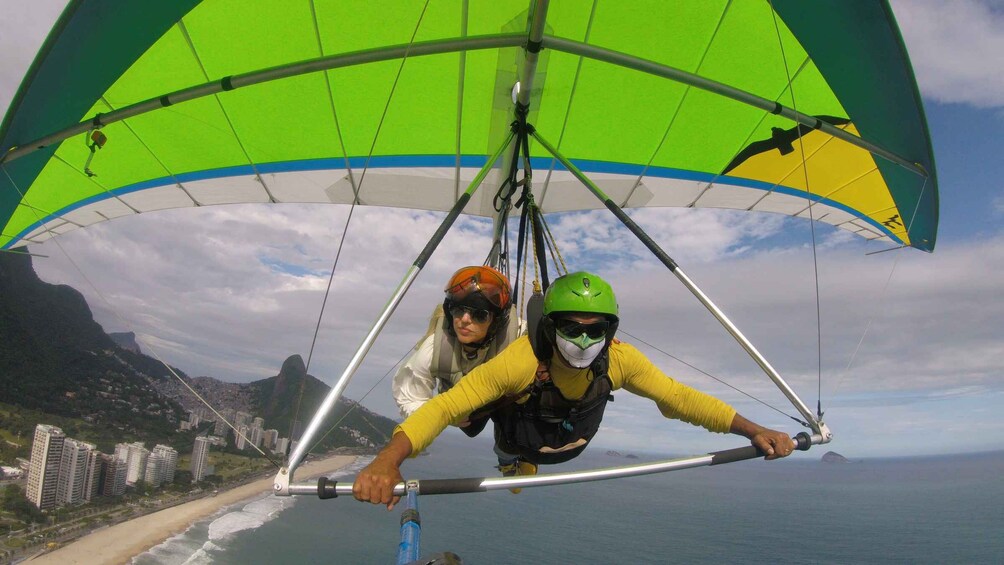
823,168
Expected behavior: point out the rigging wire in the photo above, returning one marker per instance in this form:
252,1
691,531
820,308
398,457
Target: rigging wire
882,300
553,246
709,375
812,222
357,188
358,402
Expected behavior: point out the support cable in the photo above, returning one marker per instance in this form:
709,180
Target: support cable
818,426
357,188
812,223
882,300
620,330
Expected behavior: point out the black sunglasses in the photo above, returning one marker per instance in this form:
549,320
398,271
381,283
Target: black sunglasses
572,329
478,315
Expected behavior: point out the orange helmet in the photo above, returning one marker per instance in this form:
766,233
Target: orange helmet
488,282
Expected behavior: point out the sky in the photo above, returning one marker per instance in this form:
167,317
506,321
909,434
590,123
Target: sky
907,357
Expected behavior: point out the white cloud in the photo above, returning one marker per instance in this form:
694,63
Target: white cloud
231,291
955,48
998,203
21,41
199,286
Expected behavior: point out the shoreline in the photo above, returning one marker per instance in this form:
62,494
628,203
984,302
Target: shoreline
122,542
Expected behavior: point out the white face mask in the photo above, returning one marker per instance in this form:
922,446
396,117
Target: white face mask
576,356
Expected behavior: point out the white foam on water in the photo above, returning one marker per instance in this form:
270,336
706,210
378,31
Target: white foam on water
196,545
251,515
202,555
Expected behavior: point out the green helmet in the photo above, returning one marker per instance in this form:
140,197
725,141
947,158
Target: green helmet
580,292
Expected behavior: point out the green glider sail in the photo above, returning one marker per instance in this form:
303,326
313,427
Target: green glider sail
807,109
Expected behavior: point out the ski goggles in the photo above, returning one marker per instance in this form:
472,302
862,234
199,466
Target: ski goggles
484,280
570,329
478,315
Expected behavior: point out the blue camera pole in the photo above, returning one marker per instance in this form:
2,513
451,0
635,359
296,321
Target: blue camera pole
411,530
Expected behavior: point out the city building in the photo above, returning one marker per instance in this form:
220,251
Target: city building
200,459
217,441
113,478
170,457
92,480
73,471
154,473
281,445
136,457
242,437
242,418
269,438
255,435
43,472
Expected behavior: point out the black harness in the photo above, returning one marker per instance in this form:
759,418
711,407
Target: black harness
549,428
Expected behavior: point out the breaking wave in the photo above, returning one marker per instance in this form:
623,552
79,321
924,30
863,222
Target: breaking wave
209,536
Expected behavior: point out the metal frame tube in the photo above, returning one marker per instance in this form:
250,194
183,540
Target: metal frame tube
435,47
532,50
285,474
665,71
527,72
802,441
450,45
697,292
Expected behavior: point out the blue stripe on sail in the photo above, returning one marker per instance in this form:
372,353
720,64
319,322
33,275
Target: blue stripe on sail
447,162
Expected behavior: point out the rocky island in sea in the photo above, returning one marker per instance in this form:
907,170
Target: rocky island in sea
834,457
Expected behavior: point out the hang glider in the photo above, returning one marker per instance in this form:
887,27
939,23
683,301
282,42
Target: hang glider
217,102
807,109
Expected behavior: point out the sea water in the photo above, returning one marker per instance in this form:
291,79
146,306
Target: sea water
801,510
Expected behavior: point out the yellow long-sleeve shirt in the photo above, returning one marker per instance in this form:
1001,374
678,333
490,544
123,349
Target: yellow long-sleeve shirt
512,371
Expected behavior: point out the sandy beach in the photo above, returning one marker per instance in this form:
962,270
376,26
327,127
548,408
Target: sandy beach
121,542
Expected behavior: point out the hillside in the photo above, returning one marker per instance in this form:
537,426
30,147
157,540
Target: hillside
55,359
279,396
277,399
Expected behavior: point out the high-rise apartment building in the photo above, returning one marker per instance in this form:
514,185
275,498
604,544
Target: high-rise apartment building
137,455
92,481
242,418
268,438
221,428
43,471
281,445
170,457
255,435
242,438
153,475
200,458
73,471
113,481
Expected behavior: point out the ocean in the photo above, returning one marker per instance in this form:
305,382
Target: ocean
801,510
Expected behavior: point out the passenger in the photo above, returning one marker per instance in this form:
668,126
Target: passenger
475,323
557,389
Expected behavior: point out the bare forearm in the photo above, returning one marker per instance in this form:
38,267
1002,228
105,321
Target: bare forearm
397,449
772,443
743,427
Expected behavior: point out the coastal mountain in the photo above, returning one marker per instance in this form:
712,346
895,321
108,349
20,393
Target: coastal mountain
55,359
286,402
126,340
289,399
